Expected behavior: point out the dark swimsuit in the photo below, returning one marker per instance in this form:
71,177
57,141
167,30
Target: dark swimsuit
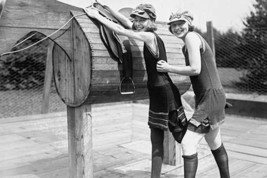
209,94
164,96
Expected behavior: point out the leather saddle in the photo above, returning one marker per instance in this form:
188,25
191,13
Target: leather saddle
117,50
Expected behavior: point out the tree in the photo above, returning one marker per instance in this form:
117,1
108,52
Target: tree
254,49
227,49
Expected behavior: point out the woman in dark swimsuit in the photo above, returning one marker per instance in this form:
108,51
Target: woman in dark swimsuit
165,102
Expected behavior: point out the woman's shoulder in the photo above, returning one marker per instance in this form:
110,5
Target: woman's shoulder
193,35
192,38
156,35
149,34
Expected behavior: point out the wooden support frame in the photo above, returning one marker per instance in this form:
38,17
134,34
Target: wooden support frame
48,77
172,153
210,36
80,142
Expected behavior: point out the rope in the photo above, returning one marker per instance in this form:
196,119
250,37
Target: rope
54,39
25,40
12,52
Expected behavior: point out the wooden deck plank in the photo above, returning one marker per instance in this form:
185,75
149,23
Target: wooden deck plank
247,150
256,171
21,127
32,152
39,166
248,157
33,117
37,147
11,138
238,166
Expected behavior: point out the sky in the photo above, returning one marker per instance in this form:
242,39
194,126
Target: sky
224,14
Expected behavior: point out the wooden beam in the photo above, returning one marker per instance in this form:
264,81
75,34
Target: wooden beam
80,141
48,78
172,153
210,36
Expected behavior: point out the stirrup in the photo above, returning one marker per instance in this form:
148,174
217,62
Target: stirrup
127,86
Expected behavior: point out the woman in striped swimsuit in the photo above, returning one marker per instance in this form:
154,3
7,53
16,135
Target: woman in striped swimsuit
165,108
209,95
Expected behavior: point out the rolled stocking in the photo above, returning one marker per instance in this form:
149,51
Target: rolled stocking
190,166
157,136
221,159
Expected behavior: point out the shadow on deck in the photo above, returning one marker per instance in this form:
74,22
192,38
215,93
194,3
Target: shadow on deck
36,146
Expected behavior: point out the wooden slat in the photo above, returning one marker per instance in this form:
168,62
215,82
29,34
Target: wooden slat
48,77
62,68
23,16
31,13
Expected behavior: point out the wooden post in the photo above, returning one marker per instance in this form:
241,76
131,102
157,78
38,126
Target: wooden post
210,36
48,78
80,142
172,153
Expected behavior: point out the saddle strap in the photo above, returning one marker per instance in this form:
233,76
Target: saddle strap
104,12
117,51
111,43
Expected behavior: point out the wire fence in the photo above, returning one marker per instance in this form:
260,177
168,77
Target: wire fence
22,76
241,60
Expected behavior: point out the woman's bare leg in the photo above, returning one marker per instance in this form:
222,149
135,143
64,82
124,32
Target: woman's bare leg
189,144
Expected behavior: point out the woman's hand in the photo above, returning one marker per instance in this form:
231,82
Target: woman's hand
163,66
92,12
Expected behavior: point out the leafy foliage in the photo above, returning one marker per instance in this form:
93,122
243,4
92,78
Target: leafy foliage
254,48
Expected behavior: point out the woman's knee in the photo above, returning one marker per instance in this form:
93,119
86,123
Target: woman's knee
190,142
213,138
188,149
156,136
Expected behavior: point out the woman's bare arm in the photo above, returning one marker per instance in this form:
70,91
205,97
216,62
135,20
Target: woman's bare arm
142,36
193,44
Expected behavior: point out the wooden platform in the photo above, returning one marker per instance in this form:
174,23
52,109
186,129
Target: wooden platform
36,146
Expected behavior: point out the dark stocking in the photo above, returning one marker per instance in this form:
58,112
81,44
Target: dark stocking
190,166
157,137
221,159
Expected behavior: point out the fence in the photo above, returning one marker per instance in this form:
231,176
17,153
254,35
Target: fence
241,60
22,77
